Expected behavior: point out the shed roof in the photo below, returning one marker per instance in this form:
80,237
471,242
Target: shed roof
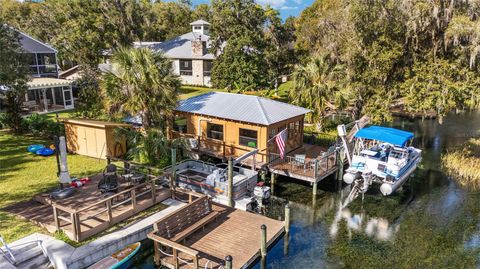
95,123
240,107
37,83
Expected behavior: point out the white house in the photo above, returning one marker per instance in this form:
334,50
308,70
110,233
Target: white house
189,53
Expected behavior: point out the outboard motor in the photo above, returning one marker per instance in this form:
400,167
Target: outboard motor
262,194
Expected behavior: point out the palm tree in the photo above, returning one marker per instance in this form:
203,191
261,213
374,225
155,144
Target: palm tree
141,83
316,86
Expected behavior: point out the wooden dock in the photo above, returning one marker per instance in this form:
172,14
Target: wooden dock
317,164
88,212
234,233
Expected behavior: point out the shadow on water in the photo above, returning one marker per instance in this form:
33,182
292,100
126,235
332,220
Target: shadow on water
431,223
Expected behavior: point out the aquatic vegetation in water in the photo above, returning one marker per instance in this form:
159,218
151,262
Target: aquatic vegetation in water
463,163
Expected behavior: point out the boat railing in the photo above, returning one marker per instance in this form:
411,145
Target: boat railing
8,253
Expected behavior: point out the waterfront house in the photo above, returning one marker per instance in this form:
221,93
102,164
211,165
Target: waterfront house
46,92
226,125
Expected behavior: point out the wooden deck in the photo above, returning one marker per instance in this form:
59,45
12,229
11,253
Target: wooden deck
89,212
236,233
305,170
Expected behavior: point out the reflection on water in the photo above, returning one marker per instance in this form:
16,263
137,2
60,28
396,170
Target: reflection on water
374,227
431,223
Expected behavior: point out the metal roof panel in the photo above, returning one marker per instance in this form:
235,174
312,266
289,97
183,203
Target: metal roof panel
240,107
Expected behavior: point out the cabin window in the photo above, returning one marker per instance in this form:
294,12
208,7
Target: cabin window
185,67
215,131
197,27
180,125
248,138
207,68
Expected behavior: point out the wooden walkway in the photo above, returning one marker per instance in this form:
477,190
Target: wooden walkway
236,233
89,212
305,169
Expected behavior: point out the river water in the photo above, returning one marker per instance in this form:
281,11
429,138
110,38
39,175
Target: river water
431,223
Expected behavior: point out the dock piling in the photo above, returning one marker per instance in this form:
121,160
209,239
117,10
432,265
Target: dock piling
228,262
315,175
272,182
173,177
230,182
287,218
263,242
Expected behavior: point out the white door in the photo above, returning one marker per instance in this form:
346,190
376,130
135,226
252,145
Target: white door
67,97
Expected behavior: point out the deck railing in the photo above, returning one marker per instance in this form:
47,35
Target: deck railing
217,147
108,211
312,168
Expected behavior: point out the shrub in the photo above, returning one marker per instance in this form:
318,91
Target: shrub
41,125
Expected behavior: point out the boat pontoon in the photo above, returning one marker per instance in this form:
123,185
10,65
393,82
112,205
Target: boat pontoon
380,155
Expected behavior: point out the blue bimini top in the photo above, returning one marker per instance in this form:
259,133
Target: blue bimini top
385,134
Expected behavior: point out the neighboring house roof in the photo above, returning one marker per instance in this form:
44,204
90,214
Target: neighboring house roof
69,72
32,45
37,83
240,107
199,22
179,47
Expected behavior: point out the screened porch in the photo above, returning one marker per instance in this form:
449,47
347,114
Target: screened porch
48,95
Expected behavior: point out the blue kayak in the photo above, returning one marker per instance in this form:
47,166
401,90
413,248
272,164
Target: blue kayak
45,152
35,148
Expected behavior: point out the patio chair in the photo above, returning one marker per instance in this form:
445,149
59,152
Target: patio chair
109,181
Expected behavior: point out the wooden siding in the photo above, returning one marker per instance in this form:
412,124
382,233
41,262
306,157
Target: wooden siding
93,140
230,146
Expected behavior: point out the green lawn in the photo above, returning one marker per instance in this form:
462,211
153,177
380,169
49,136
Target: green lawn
23,174
62,114
191,91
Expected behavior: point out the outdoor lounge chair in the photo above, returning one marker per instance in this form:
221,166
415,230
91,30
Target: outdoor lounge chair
109,182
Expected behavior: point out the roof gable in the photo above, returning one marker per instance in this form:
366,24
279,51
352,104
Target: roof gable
32,45
240,107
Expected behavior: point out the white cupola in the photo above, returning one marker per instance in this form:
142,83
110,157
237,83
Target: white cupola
200,26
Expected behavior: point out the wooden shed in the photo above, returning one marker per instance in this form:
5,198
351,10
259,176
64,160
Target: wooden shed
94,138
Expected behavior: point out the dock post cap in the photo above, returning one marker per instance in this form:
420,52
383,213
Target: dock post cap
263,227
287,205
228,258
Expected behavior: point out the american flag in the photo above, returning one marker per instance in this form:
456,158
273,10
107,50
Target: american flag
280,139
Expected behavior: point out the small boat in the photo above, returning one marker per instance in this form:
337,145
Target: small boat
117,259
380,155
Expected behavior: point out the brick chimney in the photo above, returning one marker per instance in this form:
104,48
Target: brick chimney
199,47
